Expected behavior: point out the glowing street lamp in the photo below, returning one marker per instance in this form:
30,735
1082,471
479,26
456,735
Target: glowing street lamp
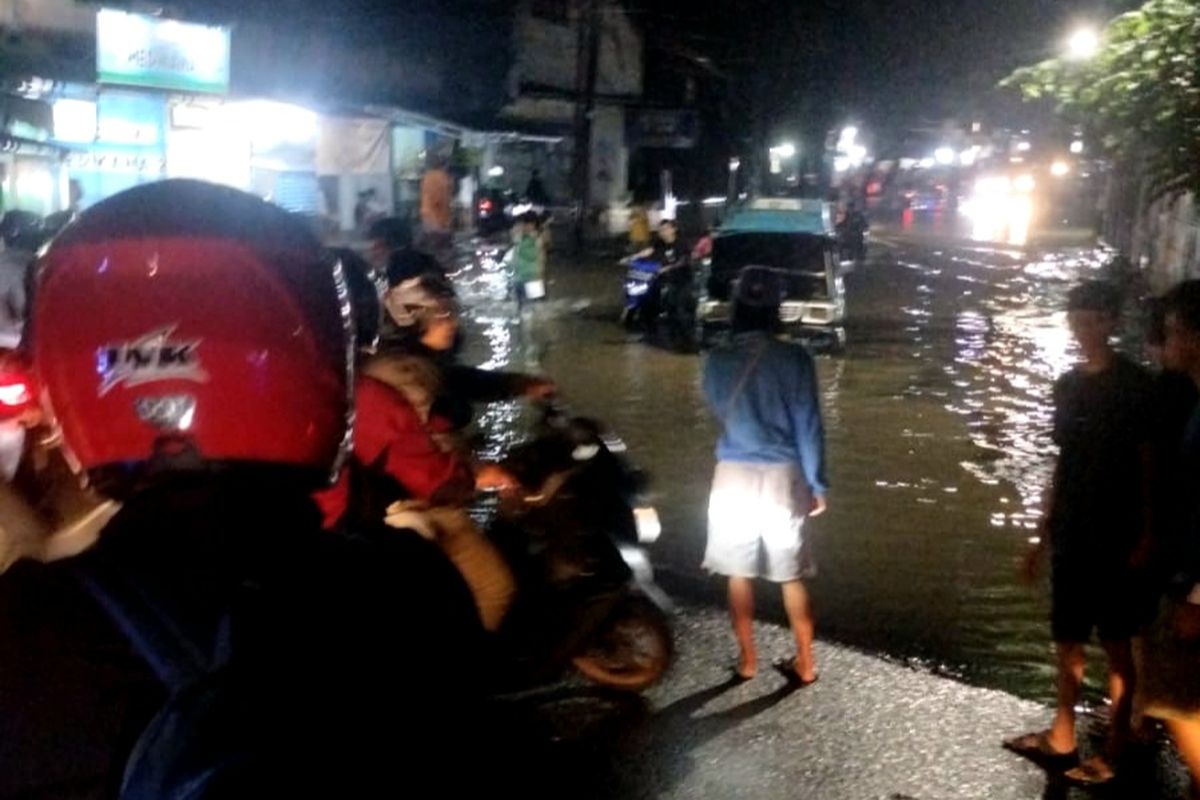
944,156
1083,44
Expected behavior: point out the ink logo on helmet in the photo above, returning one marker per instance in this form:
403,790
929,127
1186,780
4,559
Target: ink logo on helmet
156,356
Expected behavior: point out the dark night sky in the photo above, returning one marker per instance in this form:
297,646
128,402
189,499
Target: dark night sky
888,63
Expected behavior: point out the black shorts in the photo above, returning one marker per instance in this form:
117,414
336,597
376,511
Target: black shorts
1084,598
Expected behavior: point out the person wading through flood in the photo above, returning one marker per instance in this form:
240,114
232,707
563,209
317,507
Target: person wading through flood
1098,529
770,473
1169,652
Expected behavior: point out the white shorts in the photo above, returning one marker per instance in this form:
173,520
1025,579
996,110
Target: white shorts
755,519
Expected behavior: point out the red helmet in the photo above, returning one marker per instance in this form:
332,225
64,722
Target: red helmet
182,324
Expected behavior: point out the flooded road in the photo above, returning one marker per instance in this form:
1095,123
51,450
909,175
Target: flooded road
938,421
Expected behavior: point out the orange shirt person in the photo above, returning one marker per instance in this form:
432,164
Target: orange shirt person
436,191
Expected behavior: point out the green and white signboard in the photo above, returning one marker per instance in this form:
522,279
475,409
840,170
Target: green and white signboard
138,50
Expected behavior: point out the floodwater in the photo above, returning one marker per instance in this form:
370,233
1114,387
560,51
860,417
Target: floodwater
937,416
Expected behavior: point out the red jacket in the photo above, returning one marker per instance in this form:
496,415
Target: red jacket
389,433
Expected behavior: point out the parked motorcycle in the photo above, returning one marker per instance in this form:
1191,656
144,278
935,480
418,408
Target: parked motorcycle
574,537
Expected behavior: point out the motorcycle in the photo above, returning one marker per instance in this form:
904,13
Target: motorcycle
653,296
640,275
575,538
494,212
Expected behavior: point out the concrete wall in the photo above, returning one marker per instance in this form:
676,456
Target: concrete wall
546,52
65,16
609,157
1167,241
1161,238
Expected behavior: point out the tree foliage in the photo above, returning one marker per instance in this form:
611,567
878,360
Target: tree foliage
1139,96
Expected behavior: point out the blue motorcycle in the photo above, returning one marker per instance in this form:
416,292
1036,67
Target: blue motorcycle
641,274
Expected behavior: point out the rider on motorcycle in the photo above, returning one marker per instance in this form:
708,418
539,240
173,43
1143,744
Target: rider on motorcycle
201,376
405,465
404,334
671,290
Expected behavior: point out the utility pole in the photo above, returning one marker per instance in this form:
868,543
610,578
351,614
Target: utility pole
587,63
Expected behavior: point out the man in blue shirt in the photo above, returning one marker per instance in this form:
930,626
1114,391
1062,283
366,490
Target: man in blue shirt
770,471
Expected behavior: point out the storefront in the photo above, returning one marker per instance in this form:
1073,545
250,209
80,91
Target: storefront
33,173
258,146
354,164
115,139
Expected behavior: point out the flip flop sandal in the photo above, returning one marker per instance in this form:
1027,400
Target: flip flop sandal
1036,748
788,670
1093,772
736,676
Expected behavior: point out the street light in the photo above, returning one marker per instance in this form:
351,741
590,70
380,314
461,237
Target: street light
1082,44
944,156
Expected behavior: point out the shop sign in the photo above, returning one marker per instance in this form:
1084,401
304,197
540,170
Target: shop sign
662,127
137,50
116,161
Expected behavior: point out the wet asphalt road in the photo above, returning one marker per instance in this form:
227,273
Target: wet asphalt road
938,420
866,729
937,415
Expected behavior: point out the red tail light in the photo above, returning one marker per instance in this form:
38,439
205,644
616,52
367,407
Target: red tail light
485,206
15,392
16,386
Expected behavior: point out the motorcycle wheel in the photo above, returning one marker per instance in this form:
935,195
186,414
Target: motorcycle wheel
631,651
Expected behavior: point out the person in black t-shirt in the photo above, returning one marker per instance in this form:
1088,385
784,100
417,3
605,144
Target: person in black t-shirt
1096,527
1170,649
1175,399
672,288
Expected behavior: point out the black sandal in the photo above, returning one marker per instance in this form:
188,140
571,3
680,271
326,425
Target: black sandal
1036,747
736,676
788,670
1093,772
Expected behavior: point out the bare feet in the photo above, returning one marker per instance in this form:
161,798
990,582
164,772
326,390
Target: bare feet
806,670
747,666
1060,740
